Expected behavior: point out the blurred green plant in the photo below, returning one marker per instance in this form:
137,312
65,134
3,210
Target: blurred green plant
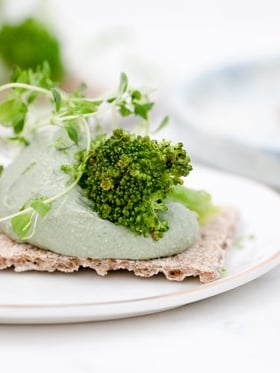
28,44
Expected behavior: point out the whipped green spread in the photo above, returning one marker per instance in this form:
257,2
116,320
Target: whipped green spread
71,227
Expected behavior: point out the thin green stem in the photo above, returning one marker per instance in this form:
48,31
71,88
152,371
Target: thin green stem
75,182
27,87
34,226
115,121
81,99
62,117
65,191
9,217
88,137
76,116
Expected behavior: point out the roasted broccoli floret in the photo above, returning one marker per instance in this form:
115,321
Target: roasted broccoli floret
128,177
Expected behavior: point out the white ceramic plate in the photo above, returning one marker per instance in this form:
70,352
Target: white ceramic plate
84,296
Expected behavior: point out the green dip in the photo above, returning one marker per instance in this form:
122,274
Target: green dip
71,227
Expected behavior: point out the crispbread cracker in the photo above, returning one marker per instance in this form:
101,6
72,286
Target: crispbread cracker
204,259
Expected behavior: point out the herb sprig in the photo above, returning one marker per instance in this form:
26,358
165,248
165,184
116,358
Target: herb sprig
29,43
73,112
66,108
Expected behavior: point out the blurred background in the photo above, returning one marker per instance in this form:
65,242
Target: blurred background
155,42
214,64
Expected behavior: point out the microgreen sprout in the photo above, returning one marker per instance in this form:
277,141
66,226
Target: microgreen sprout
128,178
72,112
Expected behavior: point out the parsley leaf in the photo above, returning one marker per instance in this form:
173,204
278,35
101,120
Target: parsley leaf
41,76
142,110
123,110
72,131
19,119
7,109
13,113
123,84
21,224
136,95
85,106
57,99
41,207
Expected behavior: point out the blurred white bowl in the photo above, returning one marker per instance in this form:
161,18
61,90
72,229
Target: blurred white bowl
230,118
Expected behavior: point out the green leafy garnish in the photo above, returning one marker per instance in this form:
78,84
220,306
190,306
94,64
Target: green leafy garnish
198,201
21,224
13,113
57,99
127,177
143,109
123,84
72,131
66,110
124,111
37,77
28,44
41,207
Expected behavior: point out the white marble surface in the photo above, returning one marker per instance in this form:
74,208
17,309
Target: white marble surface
235,331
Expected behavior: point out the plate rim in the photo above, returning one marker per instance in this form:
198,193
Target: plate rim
275,259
